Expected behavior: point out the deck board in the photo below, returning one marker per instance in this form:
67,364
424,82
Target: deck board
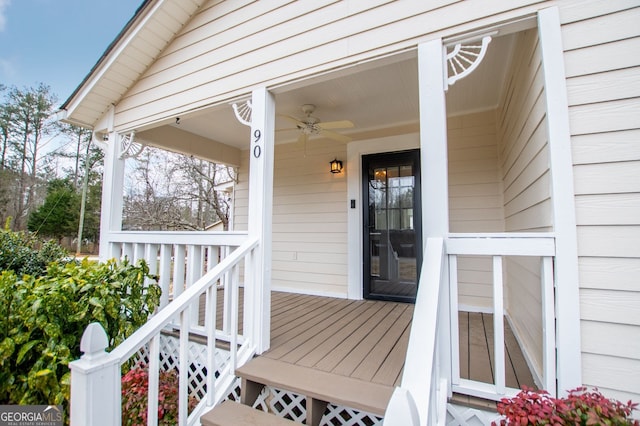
384,347
334,337
367,340
360,356
391,369
331,362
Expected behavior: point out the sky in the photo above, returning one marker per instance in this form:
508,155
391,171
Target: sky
57,42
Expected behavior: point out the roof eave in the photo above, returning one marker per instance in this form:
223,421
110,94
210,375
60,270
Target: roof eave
108,56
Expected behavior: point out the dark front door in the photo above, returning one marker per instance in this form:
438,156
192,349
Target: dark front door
392,231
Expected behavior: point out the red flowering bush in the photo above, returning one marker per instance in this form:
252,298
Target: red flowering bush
580,407
135,387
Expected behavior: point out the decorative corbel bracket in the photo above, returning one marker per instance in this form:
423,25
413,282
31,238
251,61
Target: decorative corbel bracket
243,111
129,148
99,139
464,57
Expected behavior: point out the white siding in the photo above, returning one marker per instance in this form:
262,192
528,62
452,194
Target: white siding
524,163
309,218
230,47
475,199
601,43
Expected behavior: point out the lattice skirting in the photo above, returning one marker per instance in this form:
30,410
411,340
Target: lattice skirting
170,359
466,416
294,407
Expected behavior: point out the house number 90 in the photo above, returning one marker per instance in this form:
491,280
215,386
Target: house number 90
257,150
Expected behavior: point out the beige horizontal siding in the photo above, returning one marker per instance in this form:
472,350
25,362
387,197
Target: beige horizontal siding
475,198
309,218
524,164
614,376
601,41
610,273
600,148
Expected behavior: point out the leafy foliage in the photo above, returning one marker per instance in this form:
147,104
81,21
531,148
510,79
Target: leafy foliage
42,320
58,216
135,387
23,253
580,407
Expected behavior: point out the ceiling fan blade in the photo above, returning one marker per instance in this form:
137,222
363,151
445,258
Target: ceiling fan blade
343,124
335,136
292,119
303,138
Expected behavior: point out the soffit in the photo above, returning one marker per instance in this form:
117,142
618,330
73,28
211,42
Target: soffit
145,36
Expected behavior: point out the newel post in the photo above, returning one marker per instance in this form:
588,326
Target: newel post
95,382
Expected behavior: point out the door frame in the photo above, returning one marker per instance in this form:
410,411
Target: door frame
355,151
412,155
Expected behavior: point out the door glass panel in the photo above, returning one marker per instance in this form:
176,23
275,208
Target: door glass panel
392,239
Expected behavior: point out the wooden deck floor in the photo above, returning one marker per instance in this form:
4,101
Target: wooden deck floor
368,340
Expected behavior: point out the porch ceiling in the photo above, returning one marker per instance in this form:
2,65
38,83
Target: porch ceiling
379,97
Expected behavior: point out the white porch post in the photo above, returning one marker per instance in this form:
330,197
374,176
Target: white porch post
258,292
435,219
112,188
433,140
569,368
435,180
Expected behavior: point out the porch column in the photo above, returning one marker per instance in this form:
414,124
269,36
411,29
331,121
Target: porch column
112,192
260,215
433,140
421,355
568,356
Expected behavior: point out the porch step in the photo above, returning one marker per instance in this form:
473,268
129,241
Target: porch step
319,387
231,413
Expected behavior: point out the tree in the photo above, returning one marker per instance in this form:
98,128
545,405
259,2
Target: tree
201,179
169,191
5,130
58,216
29,111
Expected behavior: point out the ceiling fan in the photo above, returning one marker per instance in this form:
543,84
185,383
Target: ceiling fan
310,126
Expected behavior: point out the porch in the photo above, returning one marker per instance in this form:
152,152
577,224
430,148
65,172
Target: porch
366,341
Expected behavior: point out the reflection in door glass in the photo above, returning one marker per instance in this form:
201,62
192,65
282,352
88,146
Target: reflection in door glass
392,239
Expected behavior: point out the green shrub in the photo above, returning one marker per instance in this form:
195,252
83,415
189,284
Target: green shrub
24,253
42,320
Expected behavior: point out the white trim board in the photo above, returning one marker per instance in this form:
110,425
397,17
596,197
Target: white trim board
569,360
309,292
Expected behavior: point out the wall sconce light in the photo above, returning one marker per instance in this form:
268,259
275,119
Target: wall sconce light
336,166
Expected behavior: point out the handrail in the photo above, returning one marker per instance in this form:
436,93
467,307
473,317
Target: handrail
229,238
420,376
502,244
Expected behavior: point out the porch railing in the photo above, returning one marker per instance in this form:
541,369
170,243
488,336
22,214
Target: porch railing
179,259
498,246
431,371
96,377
